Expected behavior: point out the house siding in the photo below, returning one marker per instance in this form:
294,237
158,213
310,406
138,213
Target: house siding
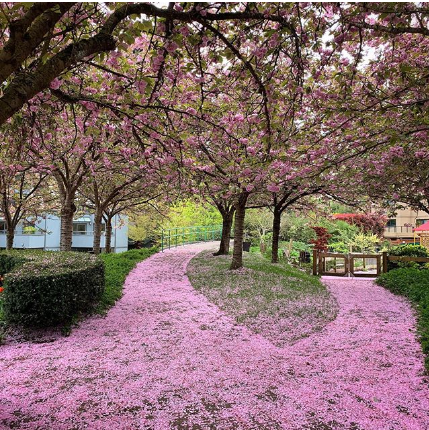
47,235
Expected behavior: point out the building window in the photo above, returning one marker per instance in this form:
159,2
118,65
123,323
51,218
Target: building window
28,228
79,227
2,227
391,222
419,222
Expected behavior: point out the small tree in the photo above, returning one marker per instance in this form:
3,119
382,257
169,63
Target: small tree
321,242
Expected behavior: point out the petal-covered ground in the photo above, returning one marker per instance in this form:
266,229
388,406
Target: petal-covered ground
166,358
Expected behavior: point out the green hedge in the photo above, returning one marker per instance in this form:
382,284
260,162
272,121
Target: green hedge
414,284
49,288
9,262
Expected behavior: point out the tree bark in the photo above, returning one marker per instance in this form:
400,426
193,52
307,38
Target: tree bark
67,212
227,218
240,212
276,236
97,232
108,247
10,235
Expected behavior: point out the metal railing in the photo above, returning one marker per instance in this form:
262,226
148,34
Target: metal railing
178,236
399,229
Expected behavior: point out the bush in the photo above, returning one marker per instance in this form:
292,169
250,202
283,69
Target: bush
9,262
414,284
50,288
407,250
296,228
340,247
340,231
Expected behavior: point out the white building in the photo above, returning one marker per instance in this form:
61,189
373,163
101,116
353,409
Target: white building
45,234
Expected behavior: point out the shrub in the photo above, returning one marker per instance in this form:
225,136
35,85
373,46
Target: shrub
50,288
296,228
339,247
414,284
407,250
321,243
9,262
372,223
340,231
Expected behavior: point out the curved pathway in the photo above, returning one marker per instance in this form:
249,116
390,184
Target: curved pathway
166,358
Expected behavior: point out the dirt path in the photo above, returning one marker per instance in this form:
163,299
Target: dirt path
166,358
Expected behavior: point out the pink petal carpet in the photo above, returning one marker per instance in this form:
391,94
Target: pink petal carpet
166,358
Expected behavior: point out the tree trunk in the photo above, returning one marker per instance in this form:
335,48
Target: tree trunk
67,211
108,238
97,232
10,235
227,218
240,212
276,236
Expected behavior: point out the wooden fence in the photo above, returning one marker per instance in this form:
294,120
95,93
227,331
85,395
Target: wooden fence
356,265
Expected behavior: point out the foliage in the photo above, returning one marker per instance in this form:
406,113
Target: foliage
51,288
8,261
117,267
340,247
189,213
413,284
408,250
144,225
294,252
340,231
368,223
365,242
297,228
257,226
321,243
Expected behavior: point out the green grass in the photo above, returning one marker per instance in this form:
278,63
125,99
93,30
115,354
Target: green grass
413,284
278,301
117,267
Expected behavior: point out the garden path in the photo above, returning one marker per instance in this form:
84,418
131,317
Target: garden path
166,358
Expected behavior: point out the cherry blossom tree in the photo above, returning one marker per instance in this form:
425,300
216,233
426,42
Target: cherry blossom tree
43,40
68,149
20,184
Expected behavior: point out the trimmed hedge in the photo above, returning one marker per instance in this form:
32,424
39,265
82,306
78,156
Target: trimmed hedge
9,262
49,288
413,284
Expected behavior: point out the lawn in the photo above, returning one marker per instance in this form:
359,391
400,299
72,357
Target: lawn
278,301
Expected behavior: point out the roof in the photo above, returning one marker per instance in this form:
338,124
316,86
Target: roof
423,227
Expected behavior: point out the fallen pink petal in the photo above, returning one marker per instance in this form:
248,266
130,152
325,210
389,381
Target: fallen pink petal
166,358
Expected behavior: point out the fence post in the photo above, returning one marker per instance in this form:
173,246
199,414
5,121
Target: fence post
162,240
385,262
314,261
